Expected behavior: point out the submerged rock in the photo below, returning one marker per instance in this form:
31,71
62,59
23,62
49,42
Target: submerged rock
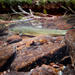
16,73
7,55
36,54
42,70
13,39
70,42
69,70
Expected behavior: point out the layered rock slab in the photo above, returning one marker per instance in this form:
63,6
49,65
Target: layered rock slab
70,42
35,54
7,55
43,70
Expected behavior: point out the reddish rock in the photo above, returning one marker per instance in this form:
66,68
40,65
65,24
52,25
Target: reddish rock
35,41
69,70
1,42
43,70
32,51
39,40
70,42
16,73
0,73
0,46
63,26
37,54
59,39
13,39
7,54
59,23
58,67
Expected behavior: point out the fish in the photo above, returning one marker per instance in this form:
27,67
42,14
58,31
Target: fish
34,31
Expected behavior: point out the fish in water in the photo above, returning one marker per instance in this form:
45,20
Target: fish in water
34,31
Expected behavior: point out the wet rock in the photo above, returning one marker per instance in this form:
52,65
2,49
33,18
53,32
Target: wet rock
14,39
35,41
0,73
43,70
63,26
57,66
39,40
31,56
71,20
70,42
7,55
1,42
66,60
69,70
16,73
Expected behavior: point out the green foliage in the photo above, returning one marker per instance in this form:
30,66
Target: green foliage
20,17
42,1
14,2
28,1
44,11
48,0
2,18
3,5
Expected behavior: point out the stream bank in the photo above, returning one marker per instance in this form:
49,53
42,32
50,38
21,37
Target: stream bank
53,7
